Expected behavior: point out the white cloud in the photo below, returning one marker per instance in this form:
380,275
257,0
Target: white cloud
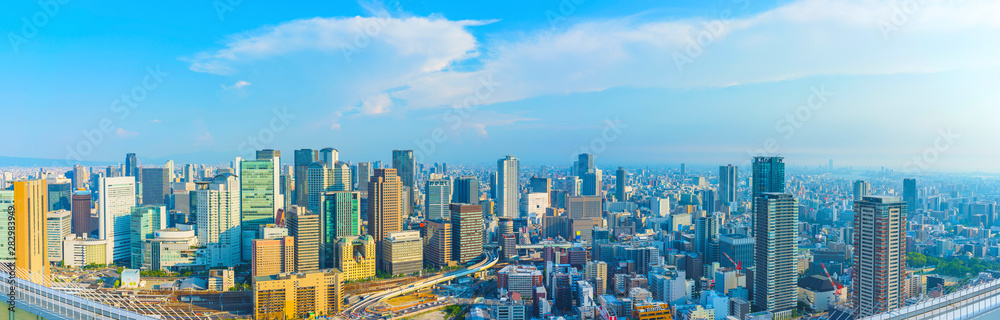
122,133
376,104
236,86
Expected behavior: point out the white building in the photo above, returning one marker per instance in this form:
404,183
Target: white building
533,205
507,190
58,226
219,220
79,252
116,198
660,206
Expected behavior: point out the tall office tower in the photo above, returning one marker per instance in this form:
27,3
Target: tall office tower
81,213
363,173
507,187
597,272
80,177
385,205
273,256
466,190
145,221
58,225
437,244
405,165
775,256
910,194
584,164
269,154
329,155
320,178
879,255
298,295
218,214
620,183
340,177
708,200
189,175
31,249
728,182
287,186
437,197
59,193
259,196
706,229
155,186
170,171
132,167
861,189
736,246
592,184
340,217
493,185
303,158
116,198
305,227
768,176
402,252
466,232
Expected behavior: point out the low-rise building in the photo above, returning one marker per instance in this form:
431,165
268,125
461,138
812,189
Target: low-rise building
298,295
402,253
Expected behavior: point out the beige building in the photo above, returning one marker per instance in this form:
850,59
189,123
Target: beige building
402,252
298,295
356,257
273,256
385,205
305,227
437,243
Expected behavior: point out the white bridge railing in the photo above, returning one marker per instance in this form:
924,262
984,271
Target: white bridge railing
41,300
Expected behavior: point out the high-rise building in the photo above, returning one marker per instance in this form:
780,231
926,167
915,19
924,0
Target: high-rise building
596,272
116,198
592,184
728,182
59,193
507,189
775,256
705,229
584,207
145,221
303,158
466,232
584,164
305,227
81,213
910,194
260,198
385,205
466,190
768,176
189,175
80,177
861,189
340,217
340,177
879,255
356,257
132,167
155,186
363,174
58,225
739,247
541,185
402,252
273,256
330,156
405,165
437,197
218,219
30,247
298,295
437,243
621,181
320,179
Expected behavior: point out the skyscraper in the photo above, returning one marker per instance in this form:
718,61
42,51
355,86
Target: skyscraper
466,232
768,176
593,183
329,155
81,213
620,182
775,256
116,198
132,167
507,190
218,217
155,186
363,173
340,217
59,193
80,177
910,194
466,190
705,229
879,255
584,164
340,177
30,249
319,177
273,256
861,189
385,206
405,165
437,246
303,158
728,181
145,220
437,197
259,196
305,227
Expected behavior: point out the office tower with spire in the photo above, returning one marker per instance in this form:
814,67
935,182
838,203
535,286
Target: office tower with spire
437,197
303,158
910,194
861,189
31,246
218,214
507,190
116,198
775,253
466,190
728,182
879,272
385,206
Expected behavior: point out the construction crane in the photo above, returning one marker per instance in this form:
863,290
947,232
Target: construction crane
739,265
835,285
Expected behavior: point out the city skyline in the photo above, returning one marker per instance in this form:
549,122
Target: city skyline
642,99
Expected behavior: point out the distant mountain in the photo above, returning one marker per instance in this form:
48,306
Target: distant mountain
40,162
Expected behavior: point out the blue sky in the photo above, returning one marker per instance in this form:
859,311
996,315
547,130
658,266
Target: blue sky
905,85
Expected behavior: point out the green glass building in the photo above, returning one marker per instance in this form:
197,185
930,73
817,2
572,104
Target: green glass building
145,221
